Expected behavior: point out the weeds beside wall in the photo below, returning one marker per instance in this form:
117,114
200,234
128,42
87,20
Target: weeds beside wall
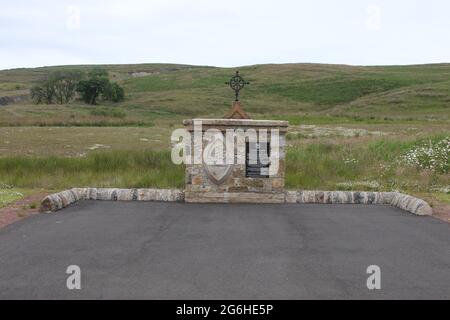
382,165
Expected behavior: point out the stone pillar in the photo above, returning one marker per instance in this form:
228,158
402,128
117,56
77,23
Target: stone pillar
230,183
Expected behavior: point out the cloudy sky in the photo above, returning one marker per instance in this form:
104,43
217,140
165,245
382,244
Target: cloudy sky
223,33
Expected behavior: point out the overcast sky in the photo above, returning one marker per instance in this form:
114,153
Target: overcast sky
223,33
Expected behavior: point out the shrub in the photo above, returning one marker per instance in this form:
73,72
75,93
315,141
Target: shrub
114,92
60,87
98,84
44,93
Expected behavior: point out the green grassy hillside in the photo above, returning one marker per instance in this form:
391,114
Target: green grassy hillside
159,91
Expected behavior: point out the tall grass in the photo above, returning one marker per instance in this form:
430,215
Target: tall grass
376,165
316,166
137,169
104,112
77,123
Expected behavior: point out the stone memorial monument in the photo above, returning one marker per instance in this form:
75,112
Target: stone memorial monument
234,160
256,173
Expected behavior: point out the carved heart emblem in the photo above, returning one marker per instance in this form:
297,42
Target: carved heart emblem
218,173
216,168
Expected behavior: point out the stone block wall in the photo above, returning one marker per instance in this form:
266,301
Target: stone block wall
200,187
61,200
58,201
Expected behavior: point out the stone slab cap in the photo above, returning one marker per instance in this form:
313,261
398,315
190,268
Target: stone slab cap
235,197
237,123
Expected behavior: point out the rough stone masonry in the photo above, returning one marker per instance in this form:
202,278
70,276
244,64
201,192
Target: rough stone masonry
402,201
232,183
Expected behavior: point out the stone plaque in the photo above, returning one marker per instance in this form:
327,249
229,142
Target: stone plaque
254,166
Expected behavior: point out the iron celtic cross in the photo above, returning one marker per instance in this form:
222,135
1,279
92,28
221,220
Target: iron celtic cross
237,83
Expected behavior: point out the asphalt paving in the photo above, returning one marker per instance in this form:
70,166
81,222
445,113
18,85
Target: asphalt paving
145,250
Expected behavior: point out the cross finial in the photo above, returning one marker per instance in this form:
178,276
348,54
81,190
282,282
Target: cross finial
237,83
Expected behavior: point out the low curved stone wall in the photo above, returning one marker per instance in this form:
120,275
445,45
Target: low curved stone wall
405,202
58,201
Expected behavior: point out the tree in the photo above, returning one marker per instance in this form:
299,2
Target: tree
114,92
98,84
44,93
65,85
95,85
62,86
91,89
59,87
37,94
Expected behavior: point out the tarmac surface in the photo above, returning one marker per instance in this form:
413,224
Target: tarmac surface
144,250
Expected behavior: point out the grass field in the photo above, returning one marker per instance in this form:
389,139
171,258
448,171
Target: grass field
374,165
351,127
170,92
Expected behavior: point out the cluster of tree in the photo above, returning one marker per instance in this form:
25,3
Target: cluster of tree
63,86
98,84
60,87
